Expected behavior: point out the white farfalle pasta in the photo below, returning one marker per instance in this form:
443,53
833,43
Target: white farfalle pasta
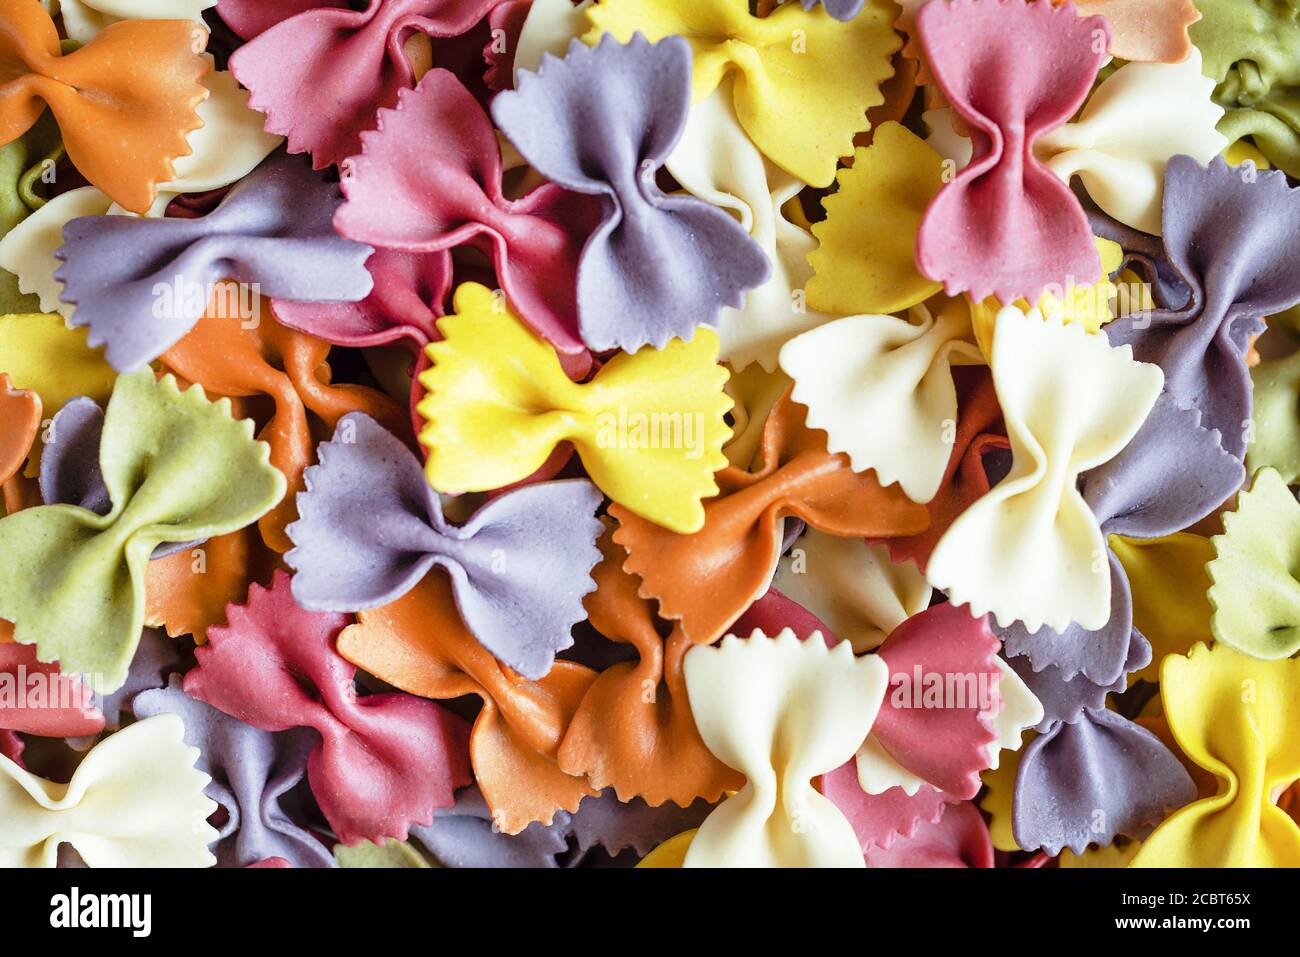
782,712
852,587
229,145
881,388
1030,550
1134,121
83,19
136,800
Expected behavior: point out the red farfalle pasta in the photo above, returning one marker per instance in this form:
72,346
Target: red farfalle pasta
1006,225
429,179
633,730
384,761
233,358
53,706
125,102
707,579
419,644
321,76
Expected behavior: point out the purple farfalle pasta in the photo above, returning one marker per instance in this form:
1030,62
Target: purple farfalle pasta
602,121
252,772
1086,782
370,528
1229,234
140,284
1173,473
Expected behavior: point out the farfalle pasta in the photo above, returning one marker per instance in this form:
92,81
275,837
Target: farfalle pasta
1056,434
648,427
408,408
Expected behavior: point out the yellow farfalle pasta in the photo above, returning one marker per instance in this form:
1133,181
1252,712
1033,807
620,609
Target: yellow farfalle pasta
649,427
1235,716
795,69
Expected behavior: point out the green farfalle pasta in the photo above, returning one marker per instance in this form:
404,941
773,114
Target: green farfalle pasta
1252,51
177,468
1275,441
1254,591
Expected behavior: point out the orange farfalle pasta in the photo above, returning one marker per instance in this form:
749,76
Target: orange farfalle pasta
125,102
230,357
706,580
420,645
634,730
20,419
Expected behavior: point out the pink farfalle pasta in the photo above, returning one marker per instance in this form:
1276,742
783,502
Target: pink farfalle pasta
384,761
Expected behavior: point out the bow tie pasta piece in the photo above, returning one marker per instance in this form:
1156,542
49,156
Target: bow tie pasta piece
136,800
429,179
1235,716
795,69
848,370
707,578
1255,594
1146,31
601,122
1227,237
633,730
1006,225
177,468
251,771
649,427
371,528
419,644
352,60
1028,550
1250,51
715,161
952,707
1136,119
781,711
1086,781
228,146
382,761
865,261
273,232
131,91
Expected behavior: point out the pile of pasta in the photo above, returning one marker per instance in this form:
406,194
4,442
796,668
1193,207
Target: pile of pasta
649,432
